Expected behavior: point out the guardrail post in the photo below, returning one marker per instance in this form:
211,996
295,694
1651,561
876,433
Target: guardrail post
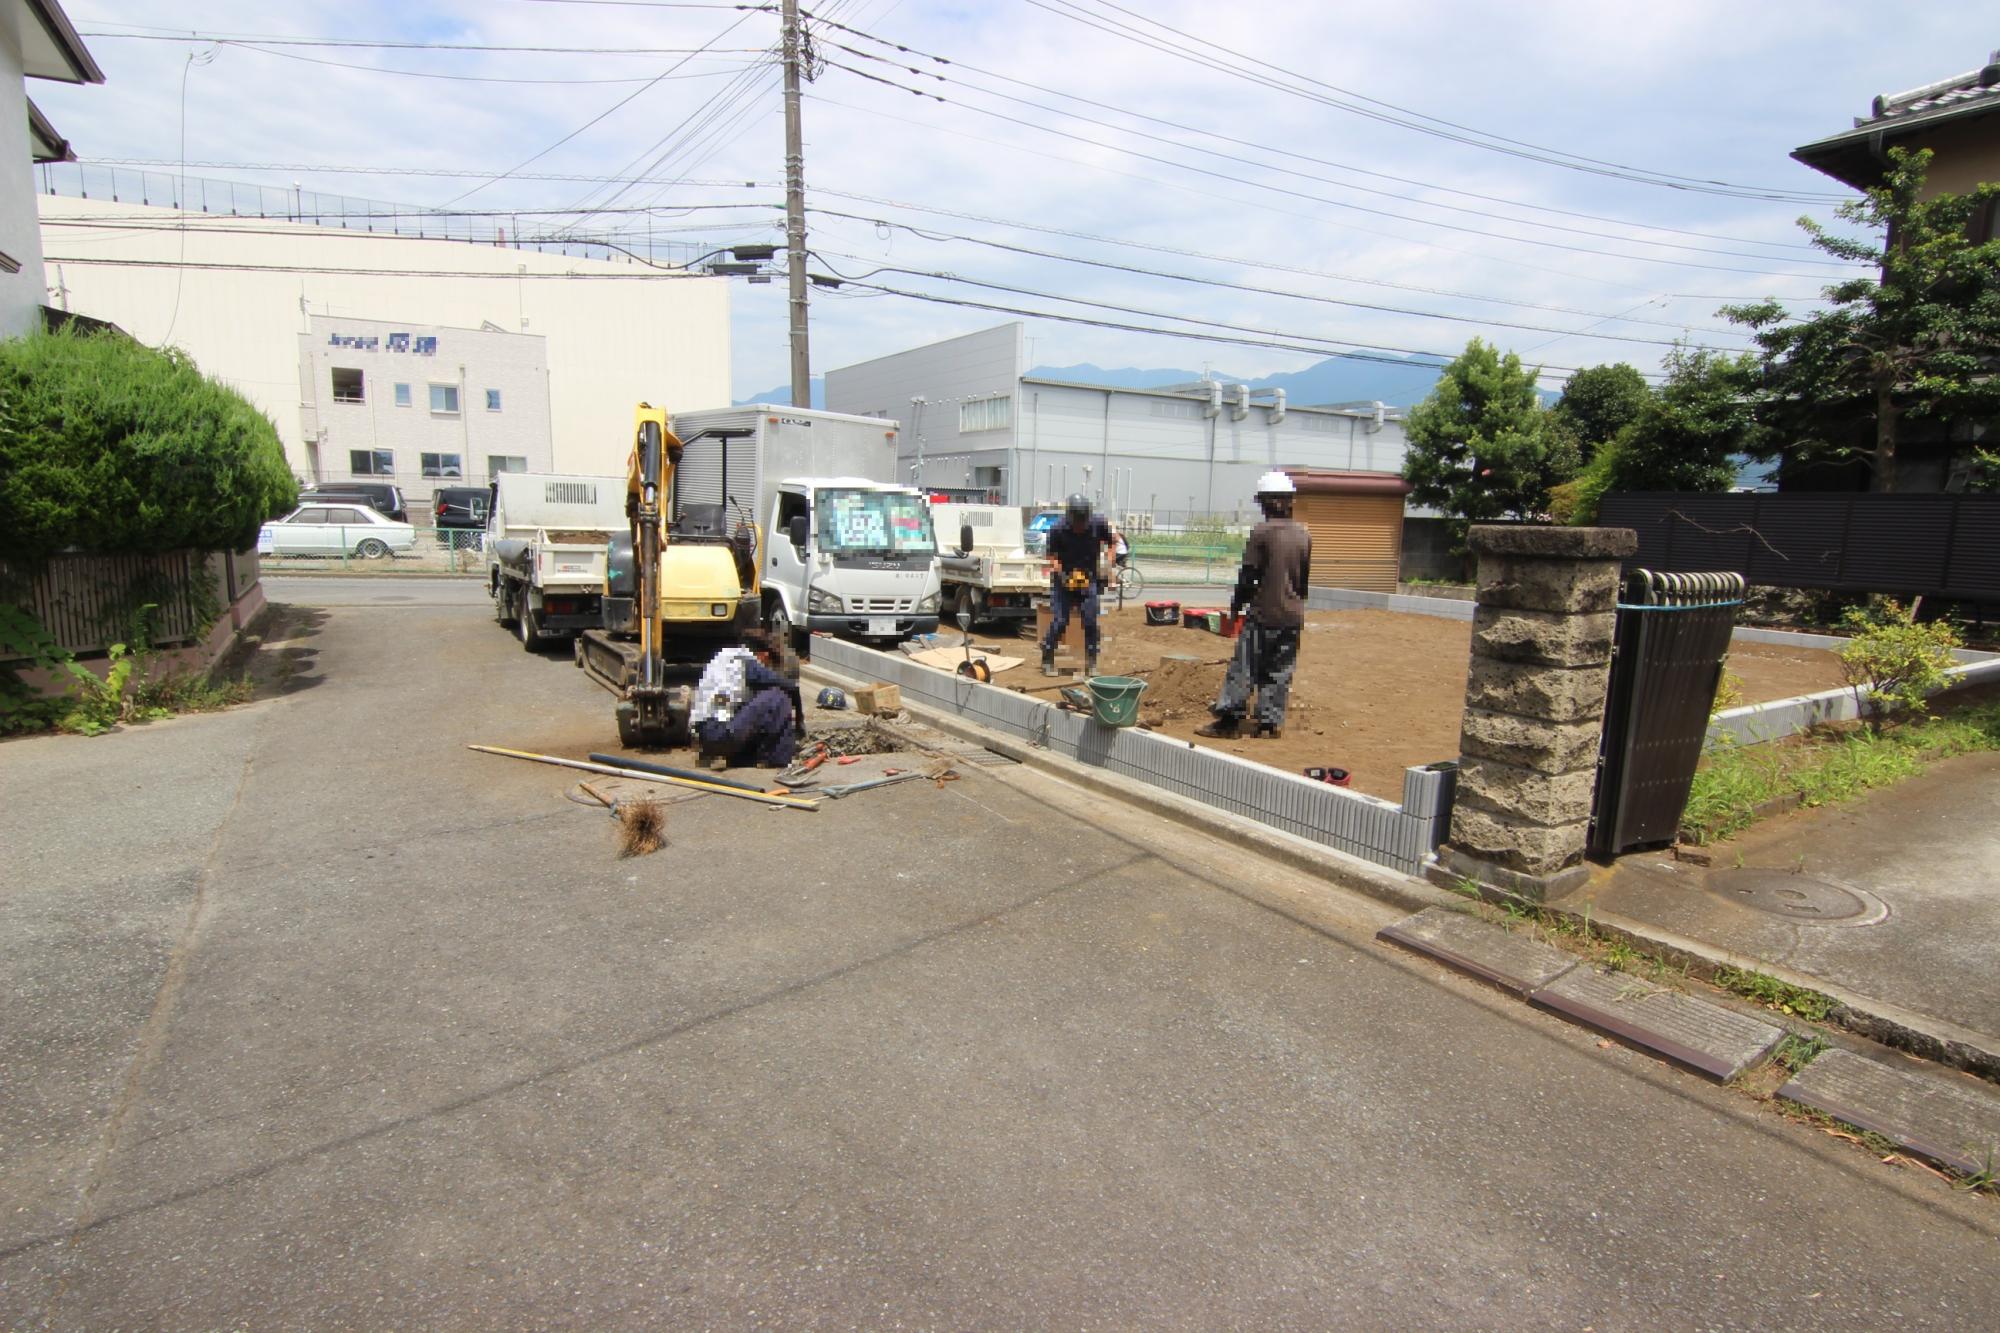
1534,705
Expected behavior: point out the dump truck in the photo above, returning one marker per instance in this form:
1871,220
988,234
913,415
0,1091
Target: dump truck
547,536
986,572
847,550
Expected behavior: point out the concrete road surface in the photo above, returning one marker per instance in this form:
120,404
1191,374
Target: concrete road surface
315,1019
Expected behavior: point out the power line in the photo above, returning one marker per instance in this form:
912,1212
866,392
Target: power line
1149,314
385,45
649,273
1337,203
1276,150
1182,252
1275,291
1484,140
434,173
453,78
621,102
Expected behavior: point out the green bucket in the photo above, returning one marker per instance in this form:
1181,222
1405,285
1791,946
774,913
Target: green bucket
1116,699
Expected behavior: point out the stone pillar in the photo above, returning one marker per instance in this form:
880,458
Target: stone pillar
1534,705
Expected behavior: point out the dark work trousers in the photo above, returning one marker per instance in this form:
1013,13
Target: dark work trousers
1061,602
1264,661
761,731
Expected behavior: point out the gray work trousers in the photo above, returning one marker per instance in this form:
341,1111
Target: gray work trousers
1263,665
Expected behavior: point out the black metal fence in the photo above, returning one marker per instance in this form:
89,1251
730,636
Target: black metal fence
1933,545
1672,636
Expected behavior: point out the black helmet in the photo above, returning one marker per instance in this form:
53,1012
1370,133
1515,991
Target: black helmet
1078,506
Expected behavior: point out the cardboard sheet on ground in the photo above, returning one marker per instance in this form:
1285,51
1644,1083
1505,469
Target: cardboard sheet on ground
947,659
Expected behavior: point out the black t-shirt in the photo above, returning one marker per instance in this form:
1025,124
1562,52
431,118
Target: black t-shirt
1074,549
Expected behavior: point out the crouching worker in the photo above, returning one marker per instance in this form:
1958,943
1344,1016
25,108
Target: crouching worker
1272,585
744,708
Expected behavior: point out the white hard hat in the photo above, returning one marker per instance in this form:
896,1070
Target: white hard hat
1276,483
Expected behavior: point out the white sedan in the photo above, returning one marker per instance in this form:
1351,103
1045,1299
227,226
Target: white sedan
335,529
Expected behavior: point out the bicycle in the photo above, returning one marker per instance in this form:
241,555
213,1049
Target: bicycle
1129,582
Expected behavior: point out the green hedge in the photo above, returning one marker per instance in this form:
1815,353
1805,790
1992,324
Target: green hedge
115,448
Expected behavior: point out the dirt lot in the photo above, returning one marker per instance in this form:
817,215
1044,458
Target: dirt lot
1376,691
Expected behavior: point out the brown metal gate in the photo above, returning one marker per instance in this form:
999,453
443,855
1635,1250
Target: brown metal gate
1671,640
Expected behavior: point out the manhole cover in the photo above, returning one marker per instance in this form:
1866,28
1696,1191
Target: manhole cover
1782,893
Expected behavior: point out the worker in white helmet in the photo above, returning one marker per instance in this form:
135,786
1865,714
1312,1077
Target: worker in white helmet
1271,586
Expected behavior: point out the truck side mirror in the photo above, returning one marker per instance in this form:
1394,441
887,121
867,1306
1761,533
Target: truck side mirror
796,530
965,536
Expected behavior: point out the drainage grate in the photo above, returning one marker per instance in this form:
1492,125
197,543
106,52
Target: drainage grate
1783,893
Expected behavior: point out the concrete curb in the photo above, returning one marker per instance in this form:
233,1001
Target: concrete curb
1349,872
1892,1025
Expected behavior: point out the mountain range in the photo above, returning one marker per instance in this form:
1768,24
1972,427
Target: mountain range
1399,381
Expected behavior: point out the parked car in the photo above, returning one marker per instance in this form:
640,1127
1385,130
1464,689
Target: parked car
382,496
1035,537
459,514
320,528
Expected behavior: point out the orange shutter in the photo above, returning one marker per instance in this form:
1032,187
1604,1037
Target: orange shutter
1357,540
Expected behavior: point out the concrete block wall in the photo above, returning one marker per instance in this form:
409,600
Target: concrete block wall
1401,837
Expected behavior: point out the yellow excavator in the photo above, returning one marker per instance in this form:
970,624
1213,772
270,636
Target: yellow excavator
675,593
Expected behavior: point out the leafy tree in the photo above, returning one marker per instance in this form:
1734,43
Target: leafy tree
1922,340
1480,444
1600,401
112,447
1684,437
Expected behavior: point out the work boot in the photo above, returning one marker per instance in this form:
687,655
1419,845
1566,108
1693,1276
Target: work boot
1222,728
1048,661
1090,665
1274,731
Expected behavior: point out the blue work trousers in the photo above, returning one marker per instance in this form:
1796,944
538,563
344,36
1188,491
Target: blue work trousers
761,731
1061,603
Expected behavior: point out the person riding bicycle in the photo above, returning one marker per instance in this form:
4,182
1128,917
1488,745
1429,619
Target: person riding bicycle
1074,548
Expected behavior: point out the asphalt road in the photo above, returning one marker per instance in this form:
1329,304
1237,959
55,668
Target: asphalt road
315,1018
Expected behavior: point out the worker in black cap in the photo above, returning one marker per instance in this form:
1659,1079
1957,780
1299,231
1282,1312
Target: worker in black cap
1073,550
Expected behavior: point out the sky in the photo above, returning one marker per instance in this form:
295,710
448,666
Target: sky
1278,146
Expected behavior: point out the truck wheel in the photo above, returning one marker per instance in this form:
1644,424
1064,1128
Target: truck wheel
782,631
531,629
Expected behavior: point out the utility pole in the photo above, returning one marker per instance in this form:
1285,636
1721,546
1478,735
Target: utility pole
795,207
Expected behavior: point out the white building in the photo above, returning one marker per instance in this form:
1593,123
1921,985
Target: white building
36,42
973,418
421,405
236,292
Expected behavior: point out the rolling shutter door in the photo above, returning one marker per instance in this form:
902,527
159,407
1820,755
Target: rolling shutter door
1357,540
698,479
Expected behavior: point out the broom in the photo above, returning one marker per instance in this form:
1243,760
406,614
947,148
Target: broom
645,827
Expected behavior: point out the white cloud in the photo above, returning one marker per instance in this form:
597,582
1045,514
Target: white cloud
1710,90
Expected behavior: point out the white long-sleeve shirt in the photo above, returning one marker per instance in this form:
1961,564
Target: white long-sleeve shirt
723,688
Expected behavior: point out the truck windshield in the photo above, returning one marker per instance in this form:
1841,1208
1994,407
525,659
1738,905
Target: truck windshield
854,520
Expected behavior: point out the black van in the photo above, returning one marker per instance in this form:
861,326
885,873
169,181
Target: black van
461,511
385,498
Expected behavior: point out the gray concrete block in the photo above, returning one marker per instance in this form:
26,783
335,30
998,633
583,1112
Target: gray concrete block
1518,963
1717,1041
1936,1115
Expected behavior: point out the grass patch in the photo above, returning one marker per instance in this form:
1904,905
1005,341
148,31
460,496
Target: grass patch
1780,995
1794,1052
1734,780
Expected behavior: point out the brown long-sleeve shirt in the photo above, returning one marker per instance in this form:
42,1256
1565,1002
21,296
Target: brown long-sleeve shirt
1277,561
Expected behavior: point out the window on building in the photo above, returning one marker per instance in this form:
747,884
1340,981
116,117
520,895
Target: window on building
498,463
346,385
442,465
492,400
402,395
444,399
371,462
1179,411
994,413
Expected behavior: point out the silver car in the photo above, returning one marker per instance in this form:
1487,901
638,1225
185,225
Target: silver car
335,529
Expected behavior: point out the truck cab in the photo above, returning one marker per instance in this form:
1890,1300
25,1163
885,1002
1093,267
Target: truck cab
850,556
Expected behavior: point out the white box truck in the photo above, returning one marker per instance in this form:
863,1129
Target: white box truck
546,535
845,550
